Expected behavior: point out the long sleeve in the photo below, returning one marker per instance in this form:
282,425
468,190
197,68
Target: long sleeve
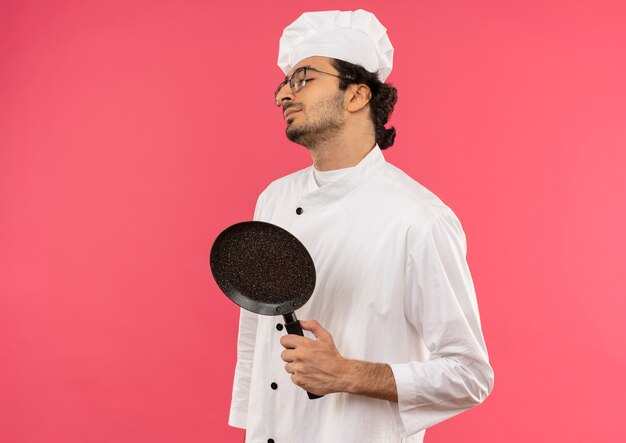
440,302
245,357
243,370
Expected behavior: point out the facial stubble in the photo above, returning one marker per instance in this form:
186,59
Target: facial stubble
326,121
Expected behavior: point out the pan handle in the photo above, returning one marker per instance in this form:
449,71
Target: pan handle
292,324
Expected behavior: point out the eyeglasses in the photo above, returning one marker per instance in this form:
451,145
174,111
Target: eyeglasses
298,79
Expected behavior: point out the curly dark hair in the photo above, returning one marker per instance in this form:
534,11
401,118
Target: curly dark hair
384,98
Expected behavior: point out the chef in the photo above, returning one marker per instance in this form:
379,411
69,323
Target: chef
393,342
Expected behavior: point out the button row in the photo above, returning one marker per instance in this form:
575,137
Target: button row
279,327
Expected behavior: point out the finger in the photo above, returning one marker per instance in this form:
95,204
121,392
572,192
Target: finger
296,380
314,326
288,355
291,341
294,369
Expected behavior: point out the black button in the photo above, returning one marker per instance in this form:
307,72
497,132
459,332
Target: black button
270,440
299,211
274,386
279,326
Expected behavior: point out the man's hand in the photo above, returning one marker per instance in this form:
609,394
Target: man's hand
318,367
314,365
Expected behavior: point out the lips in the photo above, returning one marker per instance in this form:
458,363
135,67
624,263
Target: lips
288,112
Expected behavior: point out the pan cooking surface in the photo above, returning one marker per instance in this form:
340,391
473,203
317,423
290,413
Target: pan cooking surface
263,268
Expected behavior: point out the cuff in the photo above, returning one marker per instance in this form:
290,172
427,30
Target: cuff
405,385
237,419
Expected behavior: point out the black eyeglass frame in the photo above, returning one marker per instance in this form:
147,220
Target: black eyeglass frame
295,88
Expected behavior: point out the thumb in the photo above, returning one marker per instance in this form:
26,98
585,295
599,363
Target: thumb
314,326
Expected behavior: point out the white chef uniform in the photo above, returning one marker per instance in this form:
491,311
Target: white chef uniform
393,286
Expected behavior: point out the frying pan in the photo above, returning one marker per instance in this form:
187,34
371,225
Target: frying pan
264,269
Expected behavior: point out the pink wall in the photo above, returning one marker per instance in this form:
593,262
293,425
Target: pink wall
132,132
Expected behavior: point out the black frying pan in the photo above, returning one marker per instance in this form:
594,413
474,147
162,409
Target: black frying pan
264,269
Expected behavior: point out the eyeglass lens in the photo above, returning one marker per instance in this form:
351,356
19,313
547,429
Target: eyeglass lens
296,81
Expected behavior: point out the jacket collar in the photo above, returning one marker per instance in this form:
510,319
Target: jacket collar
373,161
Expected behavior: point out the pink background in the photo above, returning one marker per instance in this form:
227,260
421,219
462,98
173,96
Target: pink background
132,132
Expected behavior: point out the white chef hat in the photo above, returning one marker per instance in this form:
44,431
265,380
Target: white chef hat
352,36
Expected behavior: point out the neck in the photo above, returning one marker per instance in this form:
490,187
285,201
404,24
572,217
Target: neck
343,151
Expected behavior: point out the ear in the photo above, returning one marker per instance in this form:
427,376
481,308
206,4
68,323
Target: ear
359,96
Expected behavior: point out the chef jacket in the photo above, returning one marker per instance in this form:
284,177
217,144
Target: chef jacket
393,286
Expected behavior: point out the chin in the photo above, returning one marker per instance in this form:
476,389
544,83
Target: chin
292,131
297,135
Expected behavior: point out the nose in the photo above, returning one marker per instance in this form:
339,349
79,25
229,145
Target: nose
285,93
